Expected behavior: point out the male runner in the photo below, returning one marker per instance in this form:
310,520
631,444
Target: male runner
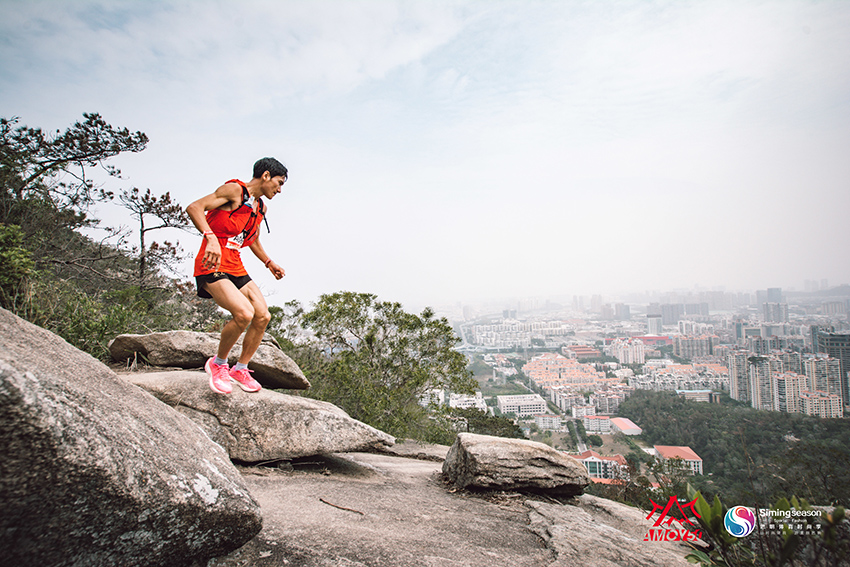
230,220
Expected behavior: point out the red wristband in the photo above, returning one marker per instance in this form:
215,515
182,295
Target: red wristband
267,262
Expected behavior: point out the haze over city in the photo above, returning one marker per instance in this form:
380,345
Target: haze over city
461,151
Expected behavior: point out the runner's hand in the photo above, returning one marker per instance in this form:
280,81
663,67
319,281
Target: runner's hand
276,270
212,255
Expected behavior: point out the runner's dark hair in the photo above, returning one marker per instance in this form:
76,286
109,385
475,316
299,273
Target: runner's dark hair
274,167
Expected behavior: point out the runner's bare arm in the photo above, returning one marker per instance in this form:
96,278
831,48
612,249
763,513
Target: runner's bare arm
224,197
263,257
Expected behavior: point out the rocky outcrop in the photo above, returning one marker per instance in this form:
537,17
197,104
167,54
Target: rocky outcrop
190,349
482,461
362,509
261,426
95,471
600,533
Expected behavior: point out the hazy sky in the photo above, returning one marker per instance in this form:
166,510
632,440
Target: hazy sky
457,151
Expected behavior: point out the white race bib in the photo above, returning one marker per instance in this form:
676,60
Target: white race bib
235,242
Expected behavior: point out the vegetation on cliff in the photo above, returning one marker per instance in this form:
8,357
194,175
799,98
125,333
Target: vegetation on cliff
63,269
750,457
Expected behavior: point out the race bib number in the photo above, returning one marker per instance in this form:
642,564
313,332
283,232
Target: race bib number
235,242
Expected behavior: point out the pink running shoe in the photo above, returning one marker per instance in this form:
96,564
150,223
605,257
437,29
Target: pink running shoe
245,380
219,376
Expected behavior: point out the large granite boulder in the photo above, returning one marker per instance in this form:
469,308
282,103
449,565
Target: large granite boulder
190,349
264,425
95,471
600,533
483,461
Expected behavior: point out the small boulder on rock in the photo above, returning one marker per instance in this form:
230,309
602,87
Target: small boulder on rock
264,425
95,471
189,349
483,461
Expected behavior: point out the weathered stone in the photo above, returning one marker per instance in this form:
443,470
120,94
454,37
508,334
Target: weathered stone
482,461
189,349
95,471
600,533
264,425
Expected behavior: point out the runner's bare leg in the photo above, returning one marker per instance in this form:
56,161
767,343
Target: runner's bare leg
228,297
254,334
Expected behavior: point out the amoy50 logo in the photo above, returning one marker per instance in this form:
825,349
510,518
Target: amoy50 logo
658,532
739,521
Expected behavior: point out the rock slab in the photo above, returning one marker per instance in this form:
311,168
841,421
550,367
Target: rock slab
95,471
264,425
483,461
600,533
189,349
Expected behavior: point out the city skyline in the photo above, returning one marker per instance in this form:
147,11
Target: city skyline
475,151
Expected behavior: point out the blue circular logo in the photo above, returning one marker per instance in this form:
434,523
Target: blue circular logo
740,521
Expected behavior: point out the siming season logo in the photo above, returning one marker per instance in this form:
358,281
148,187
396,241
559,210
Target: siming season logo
739,521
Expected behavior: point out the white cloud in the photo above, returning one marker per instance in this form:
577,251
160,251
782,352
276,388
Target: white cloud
433,143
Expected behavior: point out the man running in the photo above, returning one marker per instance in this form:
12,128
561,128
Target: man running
230,220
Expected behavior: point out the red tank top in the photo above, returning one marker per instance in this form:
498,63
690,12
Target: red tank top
234,229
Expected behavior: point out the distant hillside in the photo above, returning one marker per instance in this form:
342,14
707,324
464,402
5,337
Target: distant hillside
781,454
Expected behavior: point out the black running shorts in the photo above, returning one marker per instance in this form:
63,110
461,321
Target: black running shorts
238,281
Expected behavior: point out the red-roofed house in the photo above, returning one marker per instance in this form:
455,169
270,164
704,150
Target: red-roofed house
604,466
691,459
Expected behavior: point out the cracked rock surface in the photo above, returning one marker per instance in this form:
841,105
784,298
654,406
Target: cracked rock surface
364,509
260,426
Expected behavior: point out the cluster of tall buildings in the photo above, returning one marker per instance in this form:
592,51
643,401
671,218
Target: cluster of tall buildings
788,381
770,353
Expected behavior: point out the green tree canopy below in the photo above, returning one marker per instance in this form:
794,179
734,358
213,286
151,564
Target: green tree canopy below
375,360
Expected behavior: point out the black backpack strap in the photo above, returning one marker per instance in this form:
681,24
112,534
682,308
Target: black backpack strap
263,212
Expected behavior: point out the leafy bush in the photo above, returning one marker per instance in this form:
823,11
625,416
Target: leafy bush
17,265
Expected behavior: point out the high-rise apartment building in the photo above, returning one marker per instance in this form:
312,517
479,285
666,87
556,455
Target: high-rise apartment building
739,377
787,387
823,374
692,347
758,345
671,313
761,383
821,404
774,295
836,345
653,325
792,361
833,308
687,327
775,312
627,351
696,309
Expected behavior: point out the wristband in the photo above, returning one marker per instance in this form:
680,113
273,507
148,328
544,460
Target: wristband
208,232
267,263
